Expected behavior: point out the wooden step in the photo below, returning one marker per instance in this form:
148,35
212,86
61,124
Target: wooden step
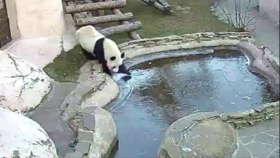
103,19
121,28
95,6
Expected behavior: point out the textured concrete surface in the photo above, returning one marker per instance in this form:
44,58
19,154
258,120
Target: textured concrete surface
259,141
48,116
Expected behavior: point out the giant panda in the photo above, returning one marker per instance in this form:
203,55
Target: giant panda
96,46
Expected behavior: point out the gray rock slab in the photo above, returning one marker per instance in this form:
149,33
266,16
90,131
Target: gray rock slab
75,154
264,138
83,147
89,110
182,124
276,141
85,135
246,139
260,149
275,154
89,122
242,152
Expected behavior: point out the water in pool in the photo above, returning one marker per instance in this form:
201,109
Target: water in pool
162,91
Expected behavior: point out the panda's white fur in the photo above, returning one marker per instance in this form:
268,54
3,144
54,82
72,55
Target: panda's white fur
87,37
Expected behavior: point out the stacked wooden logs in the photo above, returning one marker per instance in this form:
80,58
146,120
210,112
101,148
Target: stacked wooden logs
91,12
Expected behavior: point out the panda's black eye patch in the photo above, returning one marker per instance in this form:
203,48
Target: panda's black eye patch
113,58
122,55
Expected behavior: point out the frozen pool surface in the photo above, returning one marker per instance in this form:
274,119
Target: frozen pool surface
165,90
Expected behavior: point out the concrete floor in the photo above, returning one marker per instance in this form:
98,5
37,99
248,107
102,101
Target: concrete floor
42,51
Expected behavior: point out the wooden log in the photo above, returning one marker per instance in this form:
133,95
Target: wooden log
132,34
165,5
103,19
162,7
121,28
100,12
95,6
159,4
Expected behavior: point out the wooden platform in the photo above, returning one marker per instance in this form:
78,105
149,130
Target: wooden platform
101,13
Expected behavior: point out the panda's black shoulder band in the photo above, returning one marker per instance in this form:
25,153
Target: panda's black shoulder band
98,50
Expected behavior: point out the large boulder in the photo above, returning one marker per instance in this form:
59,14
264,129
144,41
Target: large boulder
23,85
22,137
198,135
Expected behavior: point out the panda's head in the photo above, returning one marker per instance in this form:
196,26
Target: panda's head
114,58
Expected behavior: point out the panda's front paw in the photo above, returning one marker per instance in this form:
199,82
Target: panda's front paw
123,69
126,78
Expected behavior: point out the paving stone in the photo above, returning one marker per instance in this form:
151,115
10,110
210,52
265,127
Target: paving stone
273,133
259,149
210,114
172,149
85,135
259,128
264,138
242,152
75,154
246,140
276,141
89,122
90,110
275,154
196,116
83,147
183,124
176,136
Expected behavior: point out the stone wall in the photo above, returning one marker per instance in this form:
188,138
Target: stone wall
250,117
186,41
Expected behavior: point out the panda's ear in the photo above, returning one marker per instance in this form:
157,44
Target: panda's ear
113,58
122,55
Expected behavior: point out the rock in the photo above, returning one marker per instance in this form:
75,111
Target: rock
94,89
75,154
23,85
23,137
198,140
105,133
82,147
85,135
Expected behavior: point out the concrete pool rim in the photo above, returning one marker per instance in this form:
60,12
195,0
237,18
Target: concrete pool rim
260,59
